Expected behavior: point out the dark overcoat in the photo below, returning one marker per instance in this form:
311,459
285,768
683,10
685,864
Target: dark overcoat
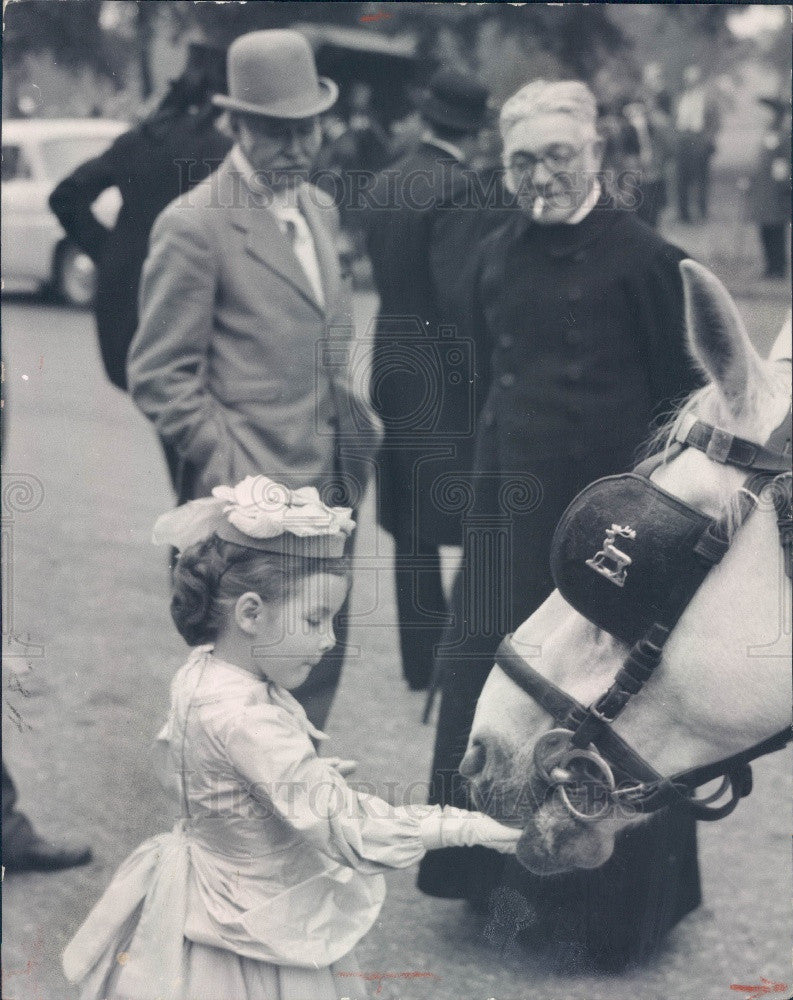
151,165
587,333
424,218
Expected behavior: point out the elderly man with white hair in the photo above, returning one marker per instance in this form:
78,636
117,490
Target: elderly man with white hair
583,305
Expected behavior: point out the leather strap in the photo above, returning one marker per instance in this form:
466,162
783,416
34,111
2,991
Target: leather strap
726,448
647,791
565,710
591,726
697,776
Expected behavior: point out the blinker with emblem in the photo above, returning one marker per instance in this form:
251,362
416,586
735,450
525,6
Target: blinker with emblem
649,547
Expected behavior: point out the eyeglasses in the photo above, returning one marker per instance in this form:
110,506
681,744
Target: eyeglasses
554,159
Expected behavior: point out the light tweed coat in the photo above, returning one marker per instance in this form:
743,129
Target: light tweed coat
234,359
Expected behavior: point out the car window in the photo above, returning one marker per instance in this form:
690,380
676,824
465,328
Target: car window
15,166
60,157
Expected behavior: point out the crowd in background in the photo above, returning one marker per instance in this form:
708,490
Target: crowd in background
219,357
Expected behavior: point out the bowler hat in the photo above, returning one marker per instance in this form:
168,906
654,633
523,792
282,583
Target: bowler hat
456,101
273,73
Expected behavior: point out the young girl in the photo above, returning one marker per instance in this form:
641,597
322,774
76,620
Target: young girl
272,873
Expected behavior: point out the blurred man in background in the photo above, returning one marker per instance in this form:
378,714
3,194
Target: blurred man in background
653,147
769,189
352,147
167,154
698,122
424,216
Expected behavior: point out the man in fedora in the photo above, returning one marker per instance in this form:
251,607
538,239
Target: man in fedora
239,357
423,215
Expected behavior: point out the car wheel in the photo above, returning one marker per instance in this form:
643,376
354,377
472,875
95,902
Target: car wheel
74,278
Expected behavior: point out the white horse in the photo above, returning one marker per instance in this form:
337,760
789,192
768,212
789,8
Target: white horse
723,682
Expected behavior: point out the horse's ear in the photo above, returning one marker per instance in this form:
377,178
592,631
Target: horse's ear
717,337
783,345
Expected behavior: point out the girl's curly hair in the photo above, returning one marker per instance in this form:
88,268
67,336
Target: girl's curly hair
209,576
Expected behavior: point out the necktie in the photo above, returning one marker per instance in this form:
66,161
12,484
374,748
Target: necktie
299,235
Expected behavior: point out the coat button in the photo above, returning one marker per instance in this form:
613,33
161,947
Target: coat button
507,380
506,341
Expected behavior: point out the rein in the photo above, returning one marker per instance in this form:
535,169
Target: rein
593,769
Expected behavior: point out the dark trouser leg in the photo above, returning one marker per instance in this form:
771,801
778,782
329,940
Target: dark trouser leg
772,238
421,607
174,464
459,873
17,829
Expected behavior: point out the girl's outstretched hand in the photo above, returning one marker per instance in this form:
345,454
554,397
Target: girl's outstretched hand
459,828
344,767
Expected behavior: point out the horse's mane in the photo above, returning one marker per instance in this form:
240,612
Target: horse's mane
662,436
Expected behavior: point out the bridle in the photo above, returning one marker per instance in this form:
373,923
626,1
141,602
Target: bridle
582,760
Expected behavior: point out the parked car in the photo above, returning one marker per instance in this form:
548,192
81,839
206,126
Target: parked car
37,154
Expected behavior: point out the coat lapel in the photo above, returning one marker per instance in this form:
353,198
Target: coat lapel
327,255
265,242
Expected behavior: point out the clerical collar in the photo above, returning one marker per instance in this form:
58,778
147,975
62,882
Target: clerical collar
586,206
448,147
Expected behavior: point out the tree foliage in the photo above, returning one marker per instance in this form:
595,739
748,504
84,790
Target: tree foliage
70,29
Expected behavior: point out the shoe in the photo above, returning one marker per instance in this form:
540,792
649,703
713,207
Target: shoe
39,855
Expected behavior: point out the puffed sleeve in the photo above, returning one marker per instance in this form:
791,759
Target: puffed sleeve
281,770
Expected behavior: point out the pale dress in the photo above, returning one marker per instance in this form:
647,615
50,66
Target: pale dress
269,878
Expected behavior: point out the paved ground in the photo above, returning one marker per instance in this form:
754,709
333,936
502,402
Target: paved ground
83,701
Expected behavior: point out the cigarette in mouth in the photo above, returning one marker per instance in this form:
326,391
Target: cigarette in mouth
537,209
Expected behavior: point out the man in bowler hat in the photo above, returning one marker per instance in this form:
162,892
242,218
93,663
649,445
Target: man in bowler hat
423,216
241,354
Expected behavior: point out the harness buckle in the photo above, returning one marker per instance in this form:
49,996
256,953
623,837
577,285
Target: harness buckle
719,445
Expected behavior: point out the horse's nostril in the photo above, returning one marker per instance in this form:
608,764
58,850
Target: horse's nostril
474,760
